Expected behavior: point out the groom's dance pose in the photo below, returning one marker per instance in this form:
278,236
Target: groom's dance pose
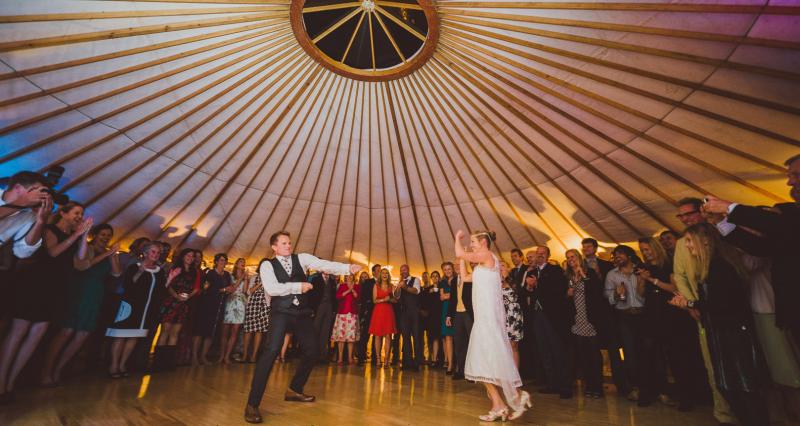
284,279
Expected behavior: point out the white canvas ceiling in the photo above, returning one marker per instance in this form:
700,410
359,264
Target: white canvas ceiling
205,124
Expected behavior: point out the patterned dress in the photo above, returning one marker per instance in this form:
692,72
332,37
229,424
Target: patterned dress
514,325
235,305
345,327
582,326
173,310
256,313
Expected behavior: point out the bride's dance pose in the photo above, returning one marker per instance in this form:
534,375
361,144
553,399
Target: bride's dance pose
489,356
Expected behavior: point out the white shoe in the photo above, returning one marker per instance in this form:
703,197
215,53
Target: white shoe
524,404
493,416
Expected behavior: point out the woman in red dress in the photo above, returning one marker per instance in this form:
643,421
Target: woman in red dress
382,325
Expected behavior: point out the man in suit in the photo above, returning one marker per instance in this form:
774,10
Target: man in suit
323,301
285,281
530,365
772,233
609,339
516,273
551,309
408,291
460,316
365,306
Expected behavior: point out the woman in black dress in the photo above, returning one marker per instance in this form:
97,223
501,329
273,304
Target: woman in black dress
41,278
143,287
431,315
83,301
211,308
739,367
671,332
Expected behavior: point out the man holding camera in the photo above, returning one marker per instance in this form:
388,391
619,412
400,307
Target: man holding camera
25,205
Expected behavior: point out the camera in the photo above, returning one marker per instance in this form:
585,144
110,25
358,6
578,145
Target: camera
53,176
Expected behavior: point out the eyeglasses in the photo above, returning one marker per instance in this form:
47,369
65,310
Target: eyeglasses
683,215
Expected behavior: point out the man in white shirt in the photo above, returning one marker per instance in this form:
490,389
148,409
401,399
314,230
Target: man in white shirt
25,205
285,281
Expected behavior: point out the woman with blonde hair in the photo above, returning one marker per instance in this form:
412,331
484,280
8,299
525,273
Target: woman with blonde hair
234,310
383,324
723,305
590,321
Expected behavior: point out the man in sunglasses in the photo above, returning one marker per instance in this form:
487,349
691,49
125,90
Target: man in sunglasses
686,279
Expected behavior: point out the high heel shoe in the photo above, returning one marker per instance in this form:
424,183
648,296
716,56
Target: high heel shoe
494,416
524,404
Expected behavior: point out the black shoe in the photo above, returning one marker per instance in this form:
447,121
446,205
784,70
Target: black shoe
458,376
565,395
549,391
685,407
448,373
644,402
252,415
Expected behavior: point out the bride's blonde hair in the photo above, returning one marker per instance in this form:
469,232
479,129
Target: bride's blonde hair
487,236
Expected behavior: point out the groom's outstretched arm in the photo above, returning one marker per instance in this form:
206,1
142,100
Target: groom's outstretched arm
309,261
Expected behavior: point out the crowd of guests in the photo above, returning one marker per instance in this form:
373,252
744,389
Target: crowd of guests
708,313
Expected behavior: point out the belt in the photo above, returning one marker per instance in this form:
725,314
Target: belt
632,311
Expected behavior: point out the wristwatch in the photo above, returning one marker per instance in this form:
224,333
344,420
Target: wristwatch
690,304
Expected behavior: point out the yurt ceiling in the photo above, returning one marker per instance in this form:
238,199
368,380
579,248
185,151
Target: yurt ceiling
373,130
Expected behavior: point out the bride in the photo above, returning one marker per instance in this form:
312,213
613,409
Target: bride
489,356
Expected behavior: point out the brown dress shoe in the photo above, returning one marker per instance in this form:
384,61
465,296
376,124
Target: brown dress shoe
251,415
297,397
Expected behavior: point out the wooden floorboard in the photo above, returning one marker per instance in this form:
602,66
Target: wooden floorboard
215,395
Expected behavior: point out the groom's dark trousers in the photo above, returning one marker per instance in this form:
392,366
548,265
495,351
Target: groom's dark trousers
303,328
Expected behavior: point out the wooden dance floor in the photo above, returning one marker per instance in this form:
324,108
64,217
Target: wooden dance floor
215,395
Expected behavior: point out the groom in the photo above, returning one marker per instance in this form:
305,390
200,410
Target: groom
284,279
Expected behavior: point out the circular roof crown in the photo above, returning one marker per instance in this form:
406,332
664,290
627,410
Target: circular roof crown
367,40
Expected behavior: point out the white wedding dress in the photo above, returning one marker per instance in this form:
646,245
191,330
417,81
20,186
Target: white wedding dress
489,356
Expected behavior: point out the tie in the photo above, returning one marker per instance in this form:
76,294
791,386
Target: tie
287,264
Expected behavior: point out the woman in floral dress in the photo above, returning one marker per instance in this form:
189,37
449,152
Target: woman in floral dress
234,309
345,327
514,324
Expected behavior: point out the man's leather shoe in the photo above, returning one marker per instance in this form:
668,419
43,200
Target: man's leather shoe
458,376
298,397
550,391
251,415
